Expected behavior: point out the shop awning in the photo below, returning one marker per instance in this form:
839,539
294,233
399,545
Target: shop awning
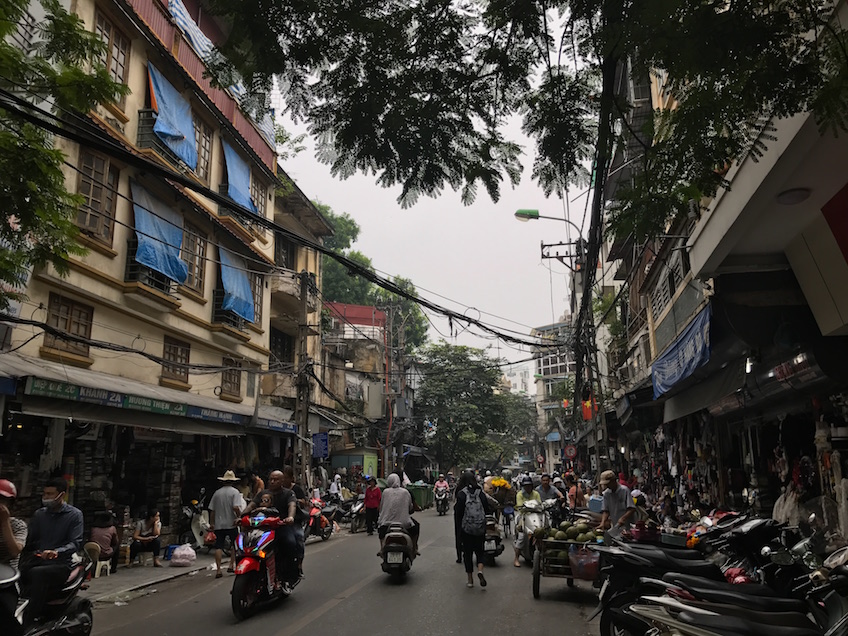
238,296
72,389
238,177
707,392
159,230
174,124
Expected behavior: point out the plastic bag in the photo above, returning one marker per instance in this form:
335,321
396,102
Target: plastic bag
210,538
183,556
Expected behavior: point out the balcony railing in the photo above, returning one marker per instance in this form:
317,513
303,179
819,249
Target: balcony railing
138,273
243,219
223,316
149,139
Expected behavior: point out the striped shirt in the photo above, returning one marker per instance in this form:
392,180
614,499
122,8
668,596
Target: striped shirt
19,533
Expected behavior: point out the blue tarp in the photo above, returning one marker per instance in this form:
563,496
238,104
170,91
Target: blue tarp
160,235
238,177
238,296
553,436
690,351
174,124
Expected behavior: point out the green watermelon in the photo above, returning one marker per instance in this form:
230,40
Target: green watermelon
583,528
572,532
560,536
565,525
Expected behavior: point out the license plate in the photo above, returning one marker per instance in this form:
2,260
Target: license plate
490,545
394,557
603,589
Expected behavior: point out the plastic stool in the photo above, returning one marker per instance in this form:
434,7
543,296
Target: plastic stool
143,557
100,566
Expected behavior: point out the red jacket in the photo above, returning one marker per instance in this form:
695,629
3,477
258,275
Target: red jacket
372,497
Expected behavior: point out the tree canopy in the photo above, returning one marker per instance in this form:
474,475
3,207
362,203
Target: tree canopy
62,69
419,92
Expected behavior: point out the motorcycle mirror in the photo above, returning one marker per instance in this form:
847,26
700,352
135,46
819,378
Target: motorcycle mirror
811,561
782,557
812,518
766,551
706,522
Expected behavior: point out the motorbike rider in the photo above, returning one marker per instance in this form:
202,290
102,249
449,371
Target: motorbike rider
55,534
13,531
546,490
300,514
285,541
527,493
396,506
440,483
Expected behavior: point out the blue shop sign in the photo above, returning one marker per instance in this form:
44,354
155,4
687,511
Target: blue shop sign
320,445
690,351
276,425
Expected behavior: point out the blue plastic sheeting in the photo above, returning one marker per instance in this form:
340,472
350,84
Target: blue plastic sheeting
238,177
553,436
238,296
160,235
174,124
690,351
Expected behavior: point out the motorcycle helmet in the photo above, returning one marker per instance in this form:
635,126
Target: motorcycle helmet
526,480
441,476
7,489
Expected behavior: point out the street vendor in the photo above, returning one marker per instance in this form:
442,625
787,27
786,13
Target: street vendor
618,507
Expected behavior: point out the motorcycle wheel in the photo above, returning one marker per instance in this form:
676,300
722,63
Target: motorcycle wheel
245,595
354,525
609,626
326,532
537,574
84,618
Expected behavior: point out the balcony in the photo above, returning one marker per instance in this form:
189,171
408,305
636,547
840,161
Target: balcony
285,292
241,224
146,285
226,322
147,139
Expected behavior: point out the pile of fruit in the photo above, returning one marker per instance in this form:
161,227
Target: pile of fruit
571,533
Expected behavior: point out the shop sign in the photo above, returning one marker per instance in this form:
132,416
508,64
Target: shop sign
275,425
213,415
690,351
49,388
149,405
320,445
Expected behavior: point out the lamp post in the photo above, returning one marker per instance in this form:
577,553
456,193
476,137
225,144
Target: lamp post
533,215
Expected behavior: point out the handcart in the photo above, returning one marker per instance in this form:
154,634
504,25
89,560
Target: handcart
563,559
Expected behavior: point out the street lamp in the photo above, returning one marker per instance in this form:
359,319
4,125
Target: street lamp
533,215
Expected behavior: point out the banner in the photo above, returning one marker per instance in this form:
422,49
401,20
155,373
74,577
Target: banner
690,351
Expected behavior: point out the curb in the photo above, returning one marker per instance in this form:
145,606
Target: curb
113,594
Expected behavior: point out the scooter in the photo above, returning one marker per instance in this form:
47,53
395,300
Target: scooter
357,514
493,541
196,522
532,515
65,614
256,581
442,503
318,523
398,552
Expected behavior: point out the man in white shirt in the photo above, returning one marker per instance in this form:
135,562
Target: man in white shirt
224,508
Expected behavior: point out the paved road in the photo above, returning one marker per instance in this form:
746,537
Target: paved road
345,592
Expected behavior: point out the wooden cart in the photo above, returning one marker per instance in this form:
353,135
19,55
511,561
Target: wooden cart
551,560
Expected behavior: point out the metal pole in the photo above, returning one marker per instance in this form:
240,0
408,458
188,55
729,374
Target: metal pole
303,383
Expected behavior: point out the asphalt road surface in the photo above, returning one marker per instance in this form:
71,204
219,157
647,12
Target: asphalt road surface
345,592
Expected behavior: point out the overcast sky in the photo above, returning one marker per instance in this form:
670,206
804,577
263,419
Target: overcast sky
479,256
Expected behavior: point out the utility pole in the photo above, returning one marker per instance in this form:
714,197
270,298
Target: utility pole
303,383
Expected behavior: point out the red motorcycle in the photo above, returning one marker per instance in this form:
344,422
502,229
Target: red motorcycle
256,581
321,517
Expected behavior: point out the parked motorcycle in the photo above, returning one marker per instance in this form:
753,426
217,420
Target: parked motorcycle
531,516
256,581
357,514
320,520
442,500
398,552
195,522
493,540
65,613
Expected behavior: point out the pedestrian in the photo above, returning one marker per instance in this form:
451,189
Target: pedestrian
373,494
618,507
224,508
105,535
576,497
470,511
146,538
13,531
256,484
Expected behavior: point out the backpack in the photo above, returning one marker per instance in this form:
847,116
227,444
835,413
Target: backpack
474,517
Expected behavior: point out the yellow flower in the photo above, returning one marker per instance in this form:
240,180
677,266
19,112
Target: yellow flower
500,482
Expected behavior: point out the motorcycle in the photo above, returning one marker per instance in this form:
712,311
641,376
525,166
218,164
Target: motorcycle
397,552
195,522
442,502
532,516
357,514
320,520
65,614
492,541
256,581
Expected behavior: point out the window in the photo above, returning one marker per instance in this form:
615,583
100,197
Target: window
282,347
71,317
231,378
98,183
256,283
259,194
178,353
285,252
117,49
203,139
194,254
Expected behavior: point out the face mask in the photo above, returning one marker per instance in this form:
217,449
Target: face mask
51,503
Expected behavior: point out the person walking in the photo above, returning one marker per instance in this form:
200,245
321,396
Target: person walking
470,511
224,508
373,494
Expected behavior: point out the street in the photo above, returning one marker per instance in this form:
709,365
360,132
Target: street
345,592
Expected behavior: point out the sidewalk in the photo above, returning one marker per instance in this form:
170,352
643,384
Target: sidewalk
121,586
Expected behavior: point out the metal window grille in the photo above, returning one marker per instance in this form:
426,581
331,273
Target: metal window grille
231,378
136,272
194,254
71,317
285,252
98,183
282,347
177,353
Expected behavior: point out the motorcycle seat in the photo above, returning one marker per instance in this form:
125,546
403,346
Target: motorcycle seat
755,603
703,569
684,555
748,589
730,626
786,619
